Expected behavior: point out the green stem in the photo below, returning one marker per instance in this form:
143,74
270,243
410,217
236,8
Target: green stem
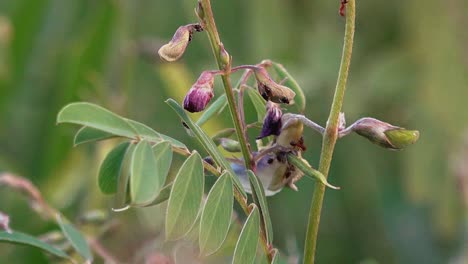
330,136
209,25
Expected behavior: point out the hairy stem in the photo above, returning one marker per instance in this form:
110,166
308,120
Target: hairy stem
330,136
209,25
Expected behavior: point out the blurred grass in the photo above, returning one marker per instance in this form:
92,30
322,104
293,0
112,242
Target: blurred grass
409,68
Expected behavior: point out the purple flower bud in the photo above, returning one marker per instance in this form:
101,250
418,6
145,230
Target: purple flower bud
201,93
173,50
272,122
270,90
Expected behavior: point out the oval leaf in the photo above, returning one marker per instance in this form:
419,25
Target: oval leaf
121,198
76,239
309,171
216,216
186,196
25,239
110,170
148,171
97,117
246,247
259,197
206,142
89,134
299,100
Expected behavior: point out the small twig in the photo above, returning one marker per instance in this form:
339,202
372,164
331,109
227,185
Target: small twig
36,200
307,122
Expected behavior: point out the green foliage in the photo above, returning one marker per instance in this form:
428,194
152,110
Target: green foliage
246,246
207,143
99,118
216,215
94,116
77,240
25,239
258,102
185,199
163,195
149,168
258,194
111,168
309,171
88,134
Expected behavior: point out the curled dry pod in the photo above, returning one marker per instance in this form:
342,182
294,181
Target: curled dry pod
272,91
173,50
384,134
201,93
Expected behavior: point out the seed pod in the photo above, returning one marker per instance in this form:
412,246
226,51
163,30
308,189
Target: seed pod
272,91
173,50
201,93
384,134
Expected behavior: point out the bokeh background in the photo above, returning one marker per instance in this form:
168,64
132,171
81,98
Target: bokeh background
409,68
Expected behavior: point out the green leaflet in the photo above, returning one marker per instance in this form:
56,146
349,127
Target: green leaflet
216,216
77,240
185,199
25,239
308,171
207,142
149,168
259,197
111,168
246,247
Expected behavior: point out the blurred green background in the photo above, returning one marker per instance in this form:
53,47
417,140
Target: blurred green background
409,68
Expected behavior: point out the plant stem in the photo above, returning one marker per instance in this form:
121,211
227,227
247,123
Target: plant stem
330,136
209,25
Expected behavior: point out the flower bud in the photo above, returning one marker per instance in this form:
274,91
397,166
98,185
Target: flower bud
173,50
230,145
272,121
272,91
384,134
225,57
201,93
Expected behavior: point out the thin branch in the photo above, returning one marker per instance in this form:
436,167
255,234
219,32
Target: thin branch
330,136
209,25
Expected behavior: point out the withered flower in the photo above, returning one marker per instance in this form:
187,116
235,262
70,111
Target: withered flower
272,121
270,90
173,50
384,134
201,93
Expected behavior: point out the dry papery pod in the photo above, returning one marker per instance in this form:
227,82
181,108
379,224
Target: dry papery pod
173,50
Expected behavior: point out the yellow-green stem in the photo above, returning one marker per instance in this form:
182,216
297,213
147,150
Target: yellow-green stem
330,136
